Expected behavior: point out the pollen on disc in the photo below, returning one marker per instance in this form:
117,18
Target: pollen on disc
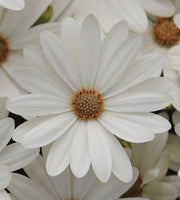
4,49
165,32
87,104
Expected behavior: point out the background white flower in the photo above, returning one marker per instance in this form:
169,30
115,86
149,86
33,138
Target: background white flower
12,4
65,186
152,161
109,12
16,32
13,156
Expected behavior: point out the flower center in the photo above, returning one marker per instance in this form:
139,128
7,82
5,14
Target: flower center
87,104
4,49
135,190
165,32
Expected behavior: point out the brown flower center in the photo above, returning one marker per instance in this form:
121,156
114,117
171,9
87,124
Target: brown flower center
87,104
4,49
135,190
165,32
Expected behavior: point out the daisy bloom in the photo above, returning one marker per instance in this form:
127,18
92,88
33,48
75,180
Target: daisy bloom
16,32
152,182
90,93
65,186
109,12
13,156
12,4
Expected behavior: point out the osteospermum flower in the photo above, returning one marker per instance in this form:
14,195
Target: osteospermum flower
16,32
12,157
12,4
109,12
87,93
65,186
152,182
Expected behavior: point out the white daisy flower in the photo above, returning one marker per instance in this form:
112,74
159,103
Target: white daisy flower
12,4
151,159
92,91
109,12
12,157
65,186
15,34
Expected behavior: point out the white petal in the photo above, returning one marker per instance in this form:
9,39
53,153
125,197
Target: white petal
8,86
38,105
31,36
12,4
70,34
176,117
24,188
174,180
111,190
125,129
110,45
16,156
40,176
121,166
59,155
107,17
79,160
4,195
41,131
176,19
117,62
133,13
3,111
173,145
148,67
142,152
160,191
5,176
177,129
146,97
90,44
35,81
6,131
99,151
60,59
63,184
83,185
161,8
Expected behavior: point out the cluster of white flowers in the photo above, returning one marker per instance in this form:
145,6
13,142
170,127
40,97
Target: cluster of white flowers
97,84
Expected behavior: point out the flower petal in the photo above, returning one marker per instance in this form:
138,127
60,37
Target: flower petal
133,13
4,195
59,155
12,4
125,129
38,105
161,8
60,59
5,176
16,156
90,43
79,160
24,188
121,165
117,63
99,151
41,131
6,131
